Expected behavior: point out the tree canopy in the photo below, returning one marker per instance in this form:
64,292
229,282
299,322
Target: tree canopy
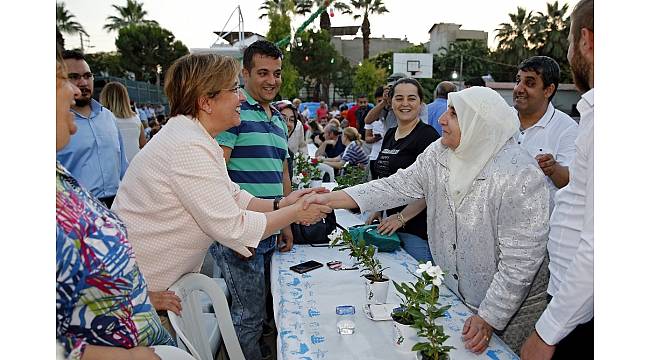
131,14
65,22
148,50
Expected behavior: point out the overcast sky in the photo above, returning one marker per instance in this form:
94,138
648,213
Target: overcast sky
193,21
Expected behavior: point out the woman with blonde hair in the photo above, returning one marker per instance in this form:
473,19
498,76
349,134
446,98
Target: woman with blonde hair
177,198
353,153
115,98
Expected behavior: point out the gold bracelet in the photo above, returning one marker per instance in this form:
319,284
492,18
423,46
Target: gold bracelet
400,218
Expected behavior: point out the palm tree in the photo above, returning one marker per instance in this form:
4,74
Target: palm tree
304,7
65,22
367,7
277,7
132,13
514,36
549,32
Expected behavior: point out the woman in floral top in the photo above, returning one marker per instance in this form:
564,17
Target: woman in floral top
102,308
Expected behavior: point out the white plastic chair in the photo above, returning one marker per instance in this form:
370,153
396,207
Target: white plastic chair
198,330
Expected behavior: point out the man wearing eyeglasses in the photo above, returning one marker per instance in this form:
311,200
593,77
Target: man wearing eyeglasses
95,154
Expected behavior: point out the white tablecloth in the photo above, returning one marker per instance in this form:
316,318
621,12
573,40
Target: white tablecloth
304,308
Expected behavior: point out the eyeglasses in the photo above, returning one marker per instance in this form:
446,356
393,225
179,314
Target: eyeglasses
75,76
234,90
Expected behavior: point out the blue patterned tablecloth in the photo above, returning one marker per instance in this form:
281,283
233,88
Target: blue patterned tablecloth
304,309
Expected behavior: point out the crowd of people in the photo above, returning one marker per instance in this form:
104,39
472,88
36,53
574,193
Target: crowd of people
499,196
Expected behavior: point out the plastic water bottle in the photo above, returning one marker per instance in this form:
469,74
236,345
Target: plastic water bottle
345,319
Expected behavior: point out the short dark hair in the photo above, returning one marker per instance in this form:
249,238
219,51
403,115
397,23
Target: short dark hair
582,17
545,67
361,96
411,81
262,47
73,54
444,88
475,81
379,92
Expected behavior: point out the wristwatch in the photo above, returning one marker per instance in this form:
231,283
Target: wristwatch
276,202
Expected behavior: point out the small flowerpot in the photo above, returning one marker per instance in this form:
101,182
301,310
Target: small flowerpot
315,183
376,291
404,337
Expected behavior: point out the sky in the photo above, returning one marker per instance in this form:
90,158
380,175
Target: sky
193,21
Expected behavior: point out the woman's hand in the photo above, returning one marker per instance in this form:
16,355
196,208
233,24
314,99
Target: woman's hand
165,300
310,214
295,195
477,334
374,216
389,225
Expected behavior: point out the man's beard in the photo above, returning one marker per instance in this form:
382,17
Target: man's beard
81,102
580,72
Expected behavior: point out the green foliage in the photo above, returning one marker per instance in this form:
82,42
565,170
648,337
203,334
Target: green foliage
279,27
343,77
304,7
420,309
351,175
131,14
529,34
316,59
146,49
65,22
106,62
291,82
474,54
365,255
305,170
367,78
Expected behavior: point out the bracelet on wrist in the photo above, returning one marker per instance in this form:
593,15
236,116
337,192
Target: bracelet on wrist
400,218
276,202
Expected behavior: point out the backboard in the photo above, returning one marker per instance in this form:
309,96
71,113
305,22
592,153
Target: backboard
413,65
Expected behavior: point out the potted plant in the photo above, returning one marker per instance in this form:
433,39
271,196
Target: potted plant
372,270
302,172
424,321
316,176
411,294
350,175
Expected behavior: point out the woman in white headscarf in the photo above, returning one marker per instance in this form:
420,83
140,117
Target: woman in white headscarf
487,215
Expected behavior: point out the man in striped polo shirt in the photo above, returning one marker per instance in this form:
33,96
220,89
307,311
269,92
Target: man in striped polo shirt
256,154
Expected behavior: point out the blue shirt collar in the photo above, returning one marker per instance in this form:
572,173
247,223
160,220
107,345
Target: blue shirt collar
95,109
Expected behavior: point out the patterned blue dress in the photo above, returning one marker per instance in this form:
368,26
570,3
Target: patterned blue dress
101,295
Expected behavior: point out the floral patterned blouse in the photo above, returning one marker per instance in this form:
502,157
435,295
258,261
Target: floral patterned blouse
101,295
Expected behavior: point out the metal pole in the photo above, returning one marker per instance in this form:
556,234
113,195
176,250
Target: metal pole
461,87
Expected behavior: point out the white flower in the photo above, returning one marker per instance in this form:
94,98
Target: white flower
334,235
424,267
434,271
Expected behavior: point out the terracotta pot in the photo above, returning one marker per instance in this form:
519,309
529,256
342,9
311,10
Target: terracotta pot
376,291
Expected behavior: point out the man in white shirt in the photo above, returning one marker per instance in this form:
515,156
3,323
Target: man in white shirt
547,133
565,329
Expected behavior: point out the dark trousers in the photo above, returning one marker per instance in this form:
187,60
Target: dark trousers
108,201
373,173
579,344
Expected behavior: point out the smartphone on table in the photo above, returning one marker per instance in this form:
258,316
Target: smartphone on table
306,266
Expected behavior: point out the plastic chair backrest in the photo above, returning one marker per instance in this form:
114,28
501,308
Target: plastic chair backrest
189,326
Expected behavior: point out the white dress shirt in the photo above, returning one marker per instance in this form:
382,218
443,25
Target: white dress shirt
555,133
571,239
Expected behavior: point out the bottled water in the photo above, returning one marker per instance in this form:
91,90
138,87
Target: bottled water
345,319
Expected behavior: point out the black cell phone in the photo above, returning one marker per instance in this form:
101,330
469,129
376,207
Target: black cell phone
306,266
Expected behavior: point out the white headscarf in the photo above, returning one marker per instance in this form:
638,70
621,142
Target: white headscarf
486,122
